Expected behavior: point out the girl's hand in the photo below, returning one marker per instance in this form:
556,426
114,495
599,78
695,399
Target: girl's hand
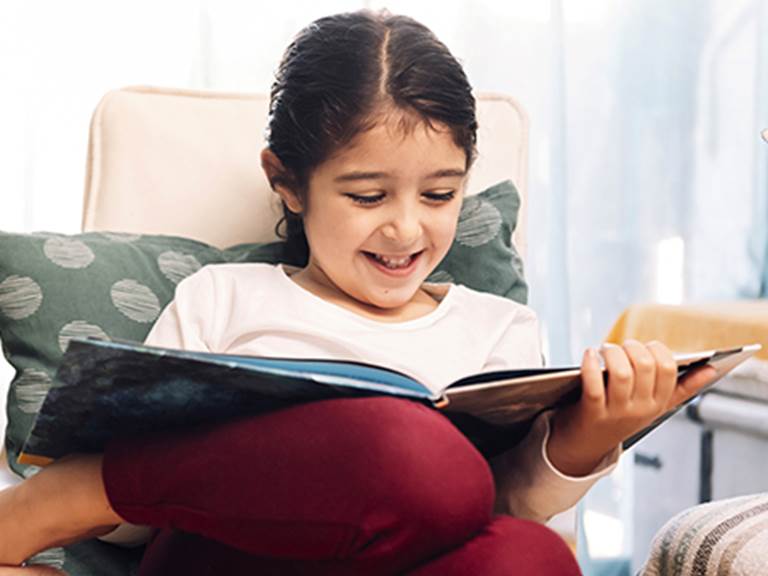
642,385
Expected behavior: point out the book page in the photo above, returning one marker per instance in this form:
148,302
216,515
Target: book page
509,401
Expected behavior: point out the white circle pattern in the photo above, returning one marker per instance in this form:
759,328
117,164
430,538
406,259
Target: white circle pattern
135,300
479,222
121,236
176,266
53,557
31,388
30,471
79,329
68,253
20,296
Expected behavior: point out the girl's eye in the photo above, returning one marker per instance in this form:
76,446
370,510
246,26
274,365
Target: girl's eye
444,197
366,199
433,196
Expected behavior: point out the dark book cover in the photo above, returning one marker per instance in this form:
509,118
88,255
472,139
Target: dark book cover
105,390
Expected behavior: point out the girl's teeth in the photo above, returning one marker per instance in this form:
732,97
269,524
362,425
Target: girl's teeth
391,263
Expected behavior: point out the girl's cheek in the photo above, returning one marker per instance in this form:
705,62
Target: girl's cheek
449,225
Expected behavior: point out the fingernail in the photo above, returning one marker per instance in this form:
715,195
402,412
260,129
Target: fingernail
607,345
594,356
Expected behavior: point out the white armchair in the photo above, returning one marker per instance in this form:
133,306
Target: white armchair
186,163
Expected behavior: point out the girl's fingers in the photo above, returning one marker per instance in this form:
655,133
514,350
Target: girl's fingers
691,384
592,382
644,366
620,375
666,372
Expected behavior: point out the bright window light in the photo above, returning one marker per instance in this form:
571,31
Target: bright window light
670,254
523,10
588,11
605,534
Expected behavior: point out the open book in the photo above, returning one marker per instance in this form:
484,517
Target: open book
105,390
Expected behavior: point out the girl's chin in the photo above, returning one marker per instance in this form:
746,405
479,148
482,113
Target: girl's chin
392,300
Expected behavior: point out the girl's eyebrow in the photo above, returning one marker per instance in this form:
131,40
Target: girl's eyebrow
359,175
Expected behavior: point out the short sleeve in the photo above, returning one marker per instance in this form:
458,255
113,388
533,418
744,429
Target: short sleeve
519,345
188,322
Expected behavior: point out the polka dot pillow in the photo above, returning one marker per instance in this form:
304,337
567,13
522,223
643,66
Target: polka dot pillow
54,287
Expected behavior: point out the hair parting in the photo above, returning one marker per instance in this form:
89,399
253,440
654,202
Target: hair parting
341,76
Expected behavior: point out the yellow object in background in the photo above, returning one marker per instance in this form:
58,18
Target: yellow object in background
693,327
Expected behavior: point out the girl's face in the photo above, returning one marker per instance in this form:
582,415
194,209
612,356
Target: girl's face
382,213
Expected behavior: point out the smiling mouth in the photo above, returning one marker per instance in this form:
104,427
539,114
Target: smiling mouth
391,262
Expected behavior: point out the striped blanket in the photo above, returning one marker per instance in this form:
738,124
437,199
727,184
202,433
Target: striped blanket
723,538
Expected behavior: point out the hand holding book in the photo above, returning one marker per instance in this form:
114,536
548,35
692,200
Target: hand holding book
638,384
105,390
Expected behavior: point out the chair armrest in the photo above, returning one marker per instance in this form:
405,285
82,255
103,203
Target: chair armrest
719,538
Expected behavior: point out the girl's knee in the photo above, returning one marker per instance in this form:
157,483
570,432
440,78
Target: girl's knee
528,545
427,473
506,546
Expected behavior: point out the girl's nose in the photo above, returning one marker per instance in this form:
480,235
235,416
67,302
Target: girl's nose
404,228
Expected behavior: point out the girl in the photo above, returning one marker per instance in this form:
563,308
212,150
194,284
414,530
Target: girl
371,137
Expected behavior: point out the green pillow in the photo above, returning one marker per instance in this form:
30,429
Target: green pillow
114,285
482,255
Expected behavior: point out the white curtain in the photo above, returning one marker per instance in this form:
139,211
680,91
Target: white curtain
647,174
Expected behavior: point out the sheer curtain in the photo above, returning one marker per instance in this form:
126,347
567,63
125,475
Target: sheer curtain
647,175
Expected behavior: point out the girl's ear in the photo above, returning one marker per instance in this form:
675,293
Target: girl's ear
278,180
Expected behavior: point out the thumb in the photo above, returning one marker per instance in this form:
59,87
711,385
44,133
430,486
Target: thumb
691,384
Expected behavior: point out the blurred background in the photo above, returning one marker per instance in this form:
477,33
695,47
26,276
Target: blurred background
647,175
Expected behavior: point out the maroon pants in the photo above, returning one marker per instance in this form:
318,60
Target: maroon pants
355,486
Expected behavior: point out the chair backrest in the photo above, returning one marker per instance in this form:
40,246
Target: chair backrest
187,163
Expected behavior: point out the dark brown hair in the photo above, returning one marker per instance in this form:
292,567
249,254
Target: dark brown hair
338,73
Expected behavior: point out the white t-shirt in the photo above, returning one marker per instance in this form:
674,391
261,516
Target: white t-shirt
256,309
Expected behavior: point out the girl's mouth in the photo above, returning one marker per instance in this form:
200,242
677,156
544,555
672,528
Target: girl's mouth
400,266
